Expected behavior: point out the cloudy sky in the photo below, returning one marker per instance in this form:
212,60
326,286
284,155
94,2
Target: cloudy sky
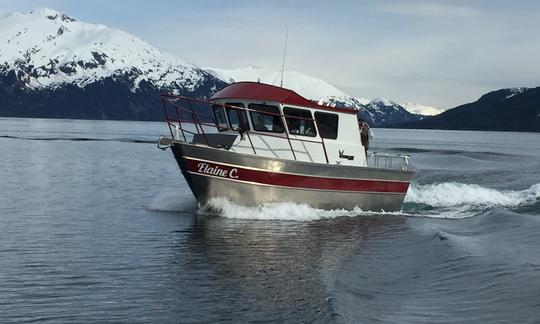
441,53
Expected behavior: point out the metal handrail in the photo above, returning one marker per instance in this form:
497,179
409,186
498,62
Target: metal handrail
173,99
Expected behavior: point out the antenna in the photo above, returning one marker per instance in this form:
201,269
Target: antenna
285,47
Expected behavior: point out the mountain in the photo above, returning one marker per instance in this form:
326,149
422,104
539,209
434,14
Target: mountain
419,109
513,109
386,112
350,102
52,65
305,85
377,112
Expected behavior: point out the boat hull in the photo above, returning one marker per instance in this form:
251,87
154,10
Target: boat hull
251,180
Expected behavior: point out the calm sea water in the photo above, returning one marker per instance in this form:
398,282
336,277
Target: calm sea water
97,225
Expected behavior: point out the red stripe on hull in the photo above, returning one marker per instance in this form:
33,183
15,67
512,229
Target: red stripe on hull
295,181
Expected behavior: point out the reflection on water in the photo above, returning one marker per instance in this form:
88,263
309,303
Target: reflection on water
266,270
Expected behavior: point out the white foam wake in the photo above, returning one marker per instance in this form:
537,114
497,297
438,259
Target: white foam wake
280,211
449,194
443,200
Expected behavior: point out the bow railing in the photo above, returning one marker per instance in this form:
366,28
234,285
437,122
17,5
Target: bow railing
180,110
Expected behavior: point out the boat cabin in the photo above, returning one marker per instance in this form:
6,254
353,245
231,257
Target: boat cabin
266,120
254,143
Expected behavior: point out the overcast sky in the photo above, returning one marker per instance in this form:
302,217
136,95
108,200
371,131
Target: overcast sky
441,53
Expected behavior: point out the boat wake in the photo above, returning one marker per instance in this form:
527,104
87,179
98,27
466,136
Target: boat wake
459,200
440,200
286,211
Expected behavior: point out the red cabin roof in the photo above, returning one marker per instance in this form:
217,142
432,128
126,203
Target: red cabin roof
267,92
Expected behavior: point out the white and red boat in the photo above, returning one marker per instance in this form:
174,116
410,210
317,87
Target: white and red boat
256,143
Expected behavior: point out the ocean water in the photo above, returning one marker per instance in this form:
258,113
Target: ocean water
97,225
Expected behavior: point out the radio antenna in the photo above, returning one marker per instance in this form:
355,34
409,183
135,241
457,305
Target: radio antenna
285,47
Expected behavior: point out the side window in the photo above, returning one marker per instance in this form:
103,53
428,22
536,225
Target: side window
299,121
219,116
266,118
237,117
328,124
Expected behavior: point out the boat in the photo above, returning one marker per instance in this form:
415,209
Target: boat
255,143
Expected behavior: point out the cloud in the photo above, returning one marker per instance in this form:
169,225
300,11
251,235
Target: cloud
429,10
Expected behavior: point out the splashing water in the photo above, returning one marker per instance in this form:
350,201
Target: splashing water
438,200
450,194
281,211
168,202
459,200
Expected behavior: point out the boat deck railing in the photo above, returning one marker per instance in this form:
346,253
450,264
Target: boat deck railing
186,111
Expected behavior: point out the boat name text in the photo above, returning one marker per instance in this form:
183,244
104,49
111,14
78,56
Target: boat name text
217,171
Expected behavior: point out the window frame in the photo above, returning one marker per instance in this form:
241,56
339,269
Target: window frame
220,128
322,130
300,120
241,124
253,111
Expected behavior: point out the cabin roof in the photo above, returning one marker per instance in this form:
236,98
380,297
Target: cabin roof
267,92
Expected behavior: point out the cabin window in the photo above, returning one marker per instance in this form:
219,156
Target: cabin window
237,117
328,124
220,118
266,118
299,122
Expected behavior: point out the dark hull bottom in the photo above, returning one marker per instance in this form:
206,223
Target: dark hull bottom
252,180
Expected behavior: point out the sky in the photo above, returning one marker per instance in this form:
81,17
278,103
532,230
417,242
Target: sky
437,53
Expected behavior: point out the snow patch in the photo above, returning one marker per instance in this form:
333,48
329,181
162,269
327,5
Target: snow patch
305,85
384,102
421,109
515,91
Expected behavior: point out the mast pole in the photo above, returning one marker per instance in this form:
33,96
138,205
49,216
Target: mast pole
285,47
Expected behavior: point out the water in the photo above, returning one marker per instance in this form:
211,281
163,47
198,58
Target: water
97,225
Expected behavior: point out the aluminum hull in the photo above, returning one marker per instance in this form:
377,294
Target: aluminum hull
251,180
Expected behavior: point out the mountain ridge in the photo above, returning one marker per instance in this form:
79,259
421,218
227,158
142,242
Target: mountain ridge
53,65
49,59
47,48
509,109
376,112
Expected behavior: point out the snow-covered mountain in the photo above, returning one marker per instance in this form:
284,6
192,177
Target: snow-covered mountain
53,65
350,102
513,109
421,109
305,85
387,112
377,112
47,48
